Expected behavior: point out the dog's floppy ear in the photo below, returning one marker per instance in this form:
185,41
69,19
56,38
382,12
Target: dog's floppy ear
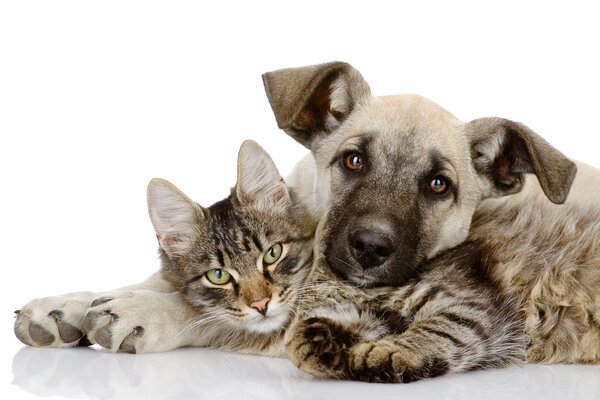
314,100
503,151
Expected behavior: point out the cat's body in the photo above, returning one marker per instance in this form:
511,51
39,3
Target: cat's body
497,299
510,256
239,276
450,318
527,302
398,180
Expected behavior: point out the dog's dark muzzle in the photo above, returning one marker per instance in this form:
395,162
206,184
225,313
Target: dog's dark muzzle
371,250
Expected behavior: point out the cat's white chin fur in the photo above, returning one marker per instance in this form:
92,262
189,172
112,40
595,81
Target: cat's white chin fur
267,324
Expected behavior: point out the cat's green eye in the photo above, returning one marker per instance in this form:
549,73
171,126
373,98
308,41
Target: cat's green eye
273,254
218,276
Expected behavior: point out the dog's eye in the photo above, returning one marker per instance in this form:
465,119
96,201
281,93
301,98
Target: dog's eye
439,185
352,161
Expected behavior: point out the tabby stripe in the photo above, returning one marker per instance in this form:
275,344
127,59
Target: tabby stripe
426,297
467,323
475,305
298,266
194,279
445,335
407,295
393,320
256,242
282,292
220,258
246,243
267,275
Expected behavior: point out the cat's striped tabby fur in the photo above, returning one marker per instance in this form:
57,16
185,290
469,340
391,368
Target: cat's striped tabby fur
245,281
263,300
437,248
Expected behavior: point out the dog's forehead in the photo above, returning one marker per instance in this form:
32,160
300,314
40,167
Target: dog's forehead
408,125
410,116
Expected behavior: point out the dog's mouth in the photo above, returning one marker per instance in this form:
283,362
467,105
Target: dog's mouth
397,269
349,270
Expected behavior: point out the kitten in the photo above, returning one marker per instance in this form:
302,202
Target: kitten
245,261
247,282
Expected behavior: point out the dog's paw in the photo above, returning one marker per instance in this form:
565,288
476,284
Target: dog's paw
320,347
53,321
137,322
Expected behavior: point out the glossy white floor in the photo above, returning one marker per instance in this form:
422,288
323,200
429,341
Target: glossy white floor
87,373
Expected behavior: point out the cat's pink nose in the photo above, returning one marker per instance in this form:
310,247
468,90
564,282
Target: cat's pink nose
261,305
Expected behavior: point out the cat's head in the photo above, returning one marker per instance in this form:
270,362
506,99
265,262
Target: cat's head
243,260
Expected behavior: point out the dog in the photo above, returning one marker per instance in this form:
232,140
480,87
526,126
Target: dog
399,180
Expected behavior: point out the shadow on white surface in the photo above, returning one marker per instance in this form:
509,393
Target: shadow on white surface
203,373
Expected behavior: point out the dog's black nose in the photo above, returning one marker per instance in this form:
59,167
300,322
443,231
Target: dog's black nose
369,248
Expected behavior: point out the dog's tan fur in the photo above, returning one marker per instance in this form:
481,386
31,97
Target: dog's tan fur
539,238
548,257
542,242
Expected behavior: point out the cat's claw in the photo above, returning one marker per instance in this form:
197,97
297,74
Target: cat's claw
133,322
105,327
52,321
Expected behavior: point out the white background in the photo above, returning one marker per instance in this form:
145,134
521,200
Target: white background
96,98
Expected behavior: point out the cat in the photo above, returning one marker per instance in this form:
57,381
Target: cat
231,275
449,319
240,275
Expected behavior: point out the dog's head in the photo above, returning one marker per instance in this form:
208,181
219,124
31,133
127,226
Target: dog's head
400,176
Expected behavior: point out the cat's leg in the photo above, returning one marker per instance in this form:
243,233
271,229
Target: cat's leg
58,321
386,345
144,321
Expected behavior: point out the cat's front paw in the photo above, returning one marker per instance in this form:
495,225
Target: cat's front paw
53,321
320,347
137,322
377,362
384,361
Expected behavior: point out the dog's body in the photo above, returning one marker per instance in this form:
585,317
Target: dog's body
398,181
548,257
540,237
545,255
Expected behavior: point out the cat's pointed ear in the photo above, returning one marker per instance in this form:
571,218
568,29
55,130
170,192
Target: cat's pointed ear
258,181
175,217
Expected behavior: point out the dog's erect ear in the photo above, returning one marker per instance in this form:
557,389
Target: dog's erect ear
503,151
314,100
258,181
175,217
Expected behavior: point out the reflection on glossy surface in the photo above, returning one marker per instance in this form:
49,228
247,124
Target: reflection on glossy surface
204,373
